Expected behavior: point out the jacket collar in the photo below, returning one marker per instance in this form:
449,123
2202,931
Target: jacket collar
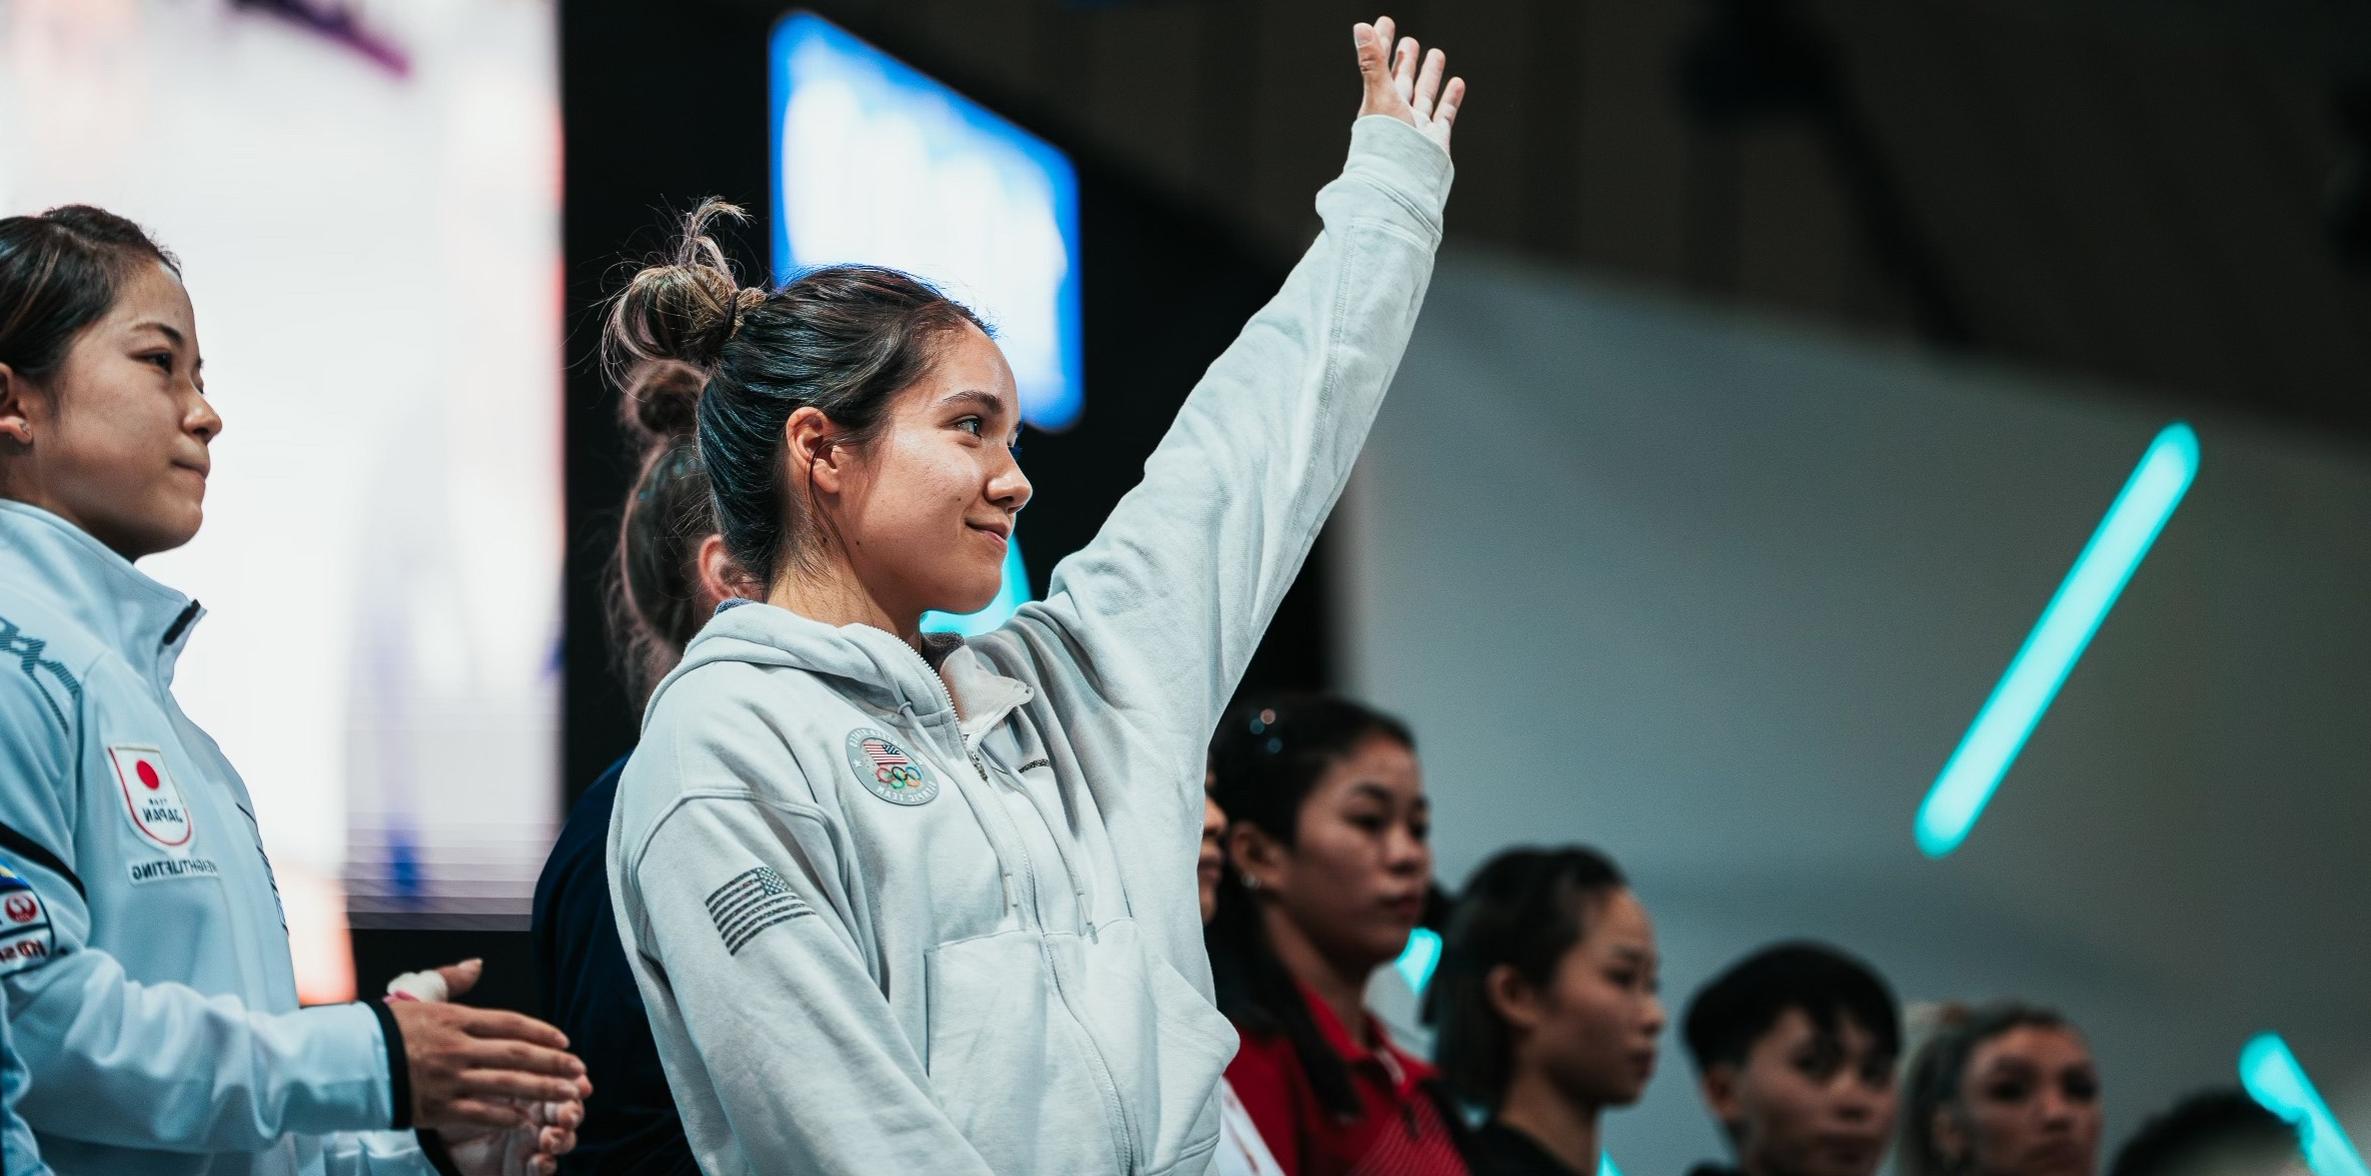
1407,1071
60,564
870,664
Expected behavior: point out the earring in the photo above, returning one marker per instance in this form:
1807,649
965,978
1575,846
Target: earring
1250,883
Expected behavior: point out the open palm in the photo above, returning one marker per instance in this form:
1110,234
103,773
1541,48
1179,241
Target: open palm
1395,85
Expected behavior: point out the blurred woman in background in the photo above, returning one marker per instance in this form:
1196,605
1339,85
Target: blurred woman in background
2002,1090
1328,839
1548,1007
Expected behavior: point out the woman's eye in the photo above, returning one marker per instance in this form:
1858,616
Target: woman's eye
162,359
969,425
2081,1089
2007,1092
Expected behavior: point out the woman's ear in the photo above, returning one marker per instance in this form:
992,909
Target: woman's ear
720,578
1512,997
1951,1142
16,422
810,441
1256,855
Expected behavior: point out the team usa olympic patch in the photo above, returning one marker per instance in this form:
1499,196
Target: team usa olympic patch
25,935
754,900
887,771
152,801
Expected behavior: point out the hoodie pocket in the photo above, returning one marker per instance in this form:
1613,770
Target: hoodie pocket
1165,1043
1010,1065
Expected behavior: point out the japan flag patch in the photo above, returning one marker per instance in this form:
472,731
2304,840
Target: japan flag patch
152,801
26,939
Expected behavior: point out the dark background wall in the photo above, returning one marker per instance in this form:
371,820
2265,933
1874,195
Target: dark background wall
2135,191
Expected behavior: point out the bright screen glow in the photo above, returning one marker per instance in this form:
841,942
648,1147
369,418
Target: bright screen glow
368,220
877,163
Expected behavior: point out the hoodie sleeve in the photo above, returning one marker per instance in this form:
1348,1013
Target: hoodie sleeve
1161,611
127,1064
731,903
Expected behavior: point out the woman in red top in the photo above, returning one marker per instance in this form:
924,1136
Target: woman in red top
1327,839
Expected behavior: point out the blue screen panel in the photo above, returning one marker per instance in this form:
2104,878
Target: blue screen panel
875,162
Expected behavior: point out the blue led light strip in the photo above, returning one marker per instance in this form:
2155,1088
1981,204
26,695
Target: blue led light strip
2272,1077
2058,638
1419,958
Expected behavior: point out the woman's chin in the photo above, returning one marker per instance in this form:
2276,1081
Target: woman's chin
966,603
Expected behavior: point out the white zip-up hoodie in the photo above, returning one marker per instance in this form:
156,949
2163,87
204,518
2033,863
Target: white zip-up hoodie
142,944
875,938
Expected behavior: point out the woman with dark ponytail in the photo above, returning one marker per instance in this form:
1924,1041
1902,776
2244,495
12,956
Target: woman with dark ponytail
667,577
908,903
1547,994
1327,834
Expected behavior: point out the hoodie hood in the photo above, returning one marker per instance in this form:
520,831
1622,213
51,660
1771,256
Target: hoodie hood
867,664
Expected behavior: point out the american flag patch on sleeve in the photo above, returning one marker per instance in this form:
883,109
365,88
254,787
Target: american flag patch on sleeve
753,901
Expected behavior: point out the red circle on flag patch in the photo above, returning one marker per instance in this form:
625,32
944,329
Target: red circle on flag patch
148,774
21,909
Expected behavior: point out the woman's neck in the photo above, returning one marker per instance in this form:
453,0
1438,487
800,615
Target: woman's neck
1340,985
833,597
1568,1130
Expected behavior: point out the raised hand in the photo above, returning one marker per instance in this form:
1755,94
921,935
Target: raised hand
1395,85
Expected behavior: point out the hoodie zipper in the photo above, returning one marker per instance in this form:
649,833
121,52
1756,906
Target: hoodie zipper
1115,1108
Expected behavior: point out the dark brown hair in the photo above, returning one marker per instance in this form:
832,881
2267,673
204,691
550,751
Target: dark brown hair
1265,761
1525,908
652,588
1936,1072
59,273
842,339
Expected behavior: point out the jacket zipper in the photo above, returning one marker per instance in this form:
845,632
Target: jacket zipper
1115,1108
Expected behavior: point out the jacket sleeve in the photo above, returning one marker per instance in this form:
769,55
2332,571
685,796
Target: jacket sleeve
131,1064
1162,609
377,1153
735,903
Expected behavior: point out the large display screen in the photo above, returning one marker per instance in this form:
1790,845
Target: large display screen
367,211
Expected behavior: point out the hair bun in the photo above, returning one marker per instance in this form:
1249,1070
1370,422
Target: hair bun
680,311
662,401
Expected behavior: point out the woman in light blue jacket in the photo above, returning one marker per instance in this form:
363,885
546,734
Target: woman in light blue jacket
142,946
906,903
